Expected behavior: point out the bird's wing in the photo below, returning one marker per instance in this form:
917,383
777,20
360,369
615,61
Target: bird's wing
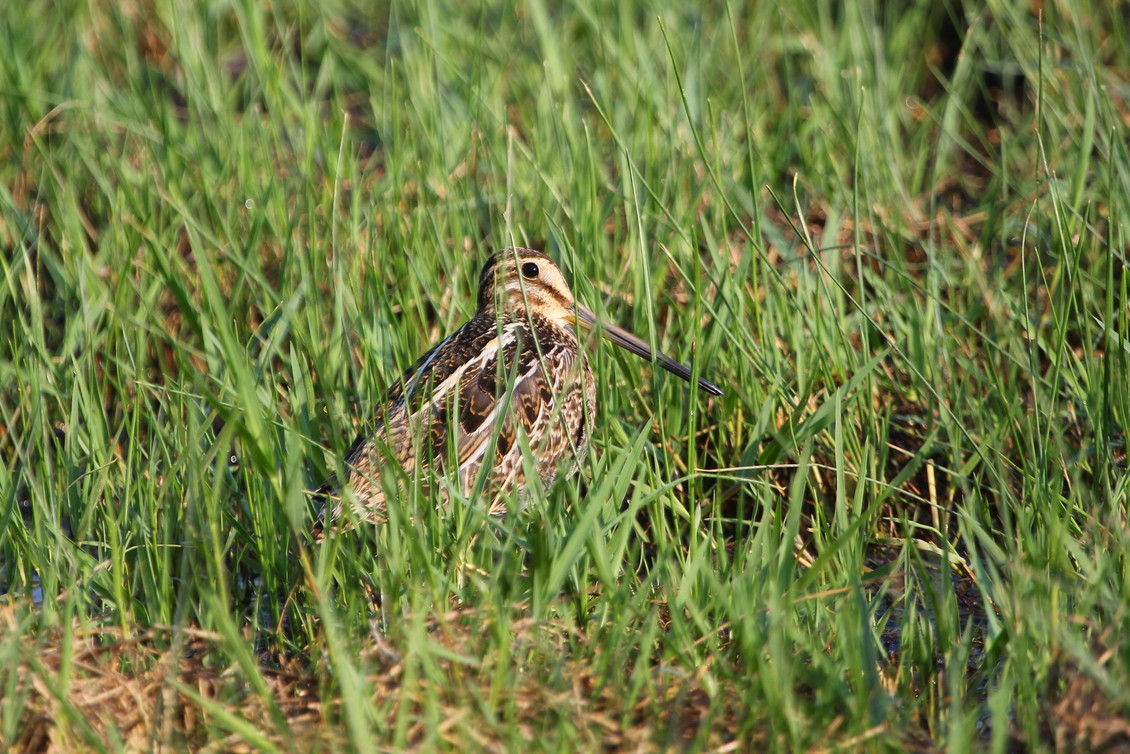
486,412
459,397
520,396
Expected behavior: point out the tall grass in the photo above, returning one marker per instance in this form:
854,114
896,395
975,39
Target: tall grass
894,234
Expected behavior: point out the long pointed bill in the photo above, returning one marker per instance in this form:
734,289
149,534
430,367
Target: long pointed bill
626,340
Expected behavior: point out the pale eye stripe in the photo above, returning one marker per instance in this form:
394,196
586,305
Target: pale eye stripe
532,292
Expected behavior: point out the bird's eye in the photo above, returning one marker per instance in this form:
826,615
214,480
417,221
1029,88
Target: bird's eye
529,270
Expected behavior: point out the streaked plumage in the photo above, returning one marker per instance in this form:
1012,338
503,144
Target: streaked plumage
513,376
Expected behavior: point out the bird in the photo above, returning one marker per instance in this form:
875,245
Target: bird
512,379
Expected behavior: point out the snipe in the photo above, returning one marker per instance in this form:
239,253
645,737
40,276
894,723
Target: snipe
512,379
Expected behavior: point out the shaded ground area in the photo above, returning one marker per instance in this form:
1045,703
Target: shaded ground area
168,688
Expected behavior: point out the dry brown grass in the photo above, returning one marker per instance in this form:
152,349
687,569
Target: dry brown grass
166,689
